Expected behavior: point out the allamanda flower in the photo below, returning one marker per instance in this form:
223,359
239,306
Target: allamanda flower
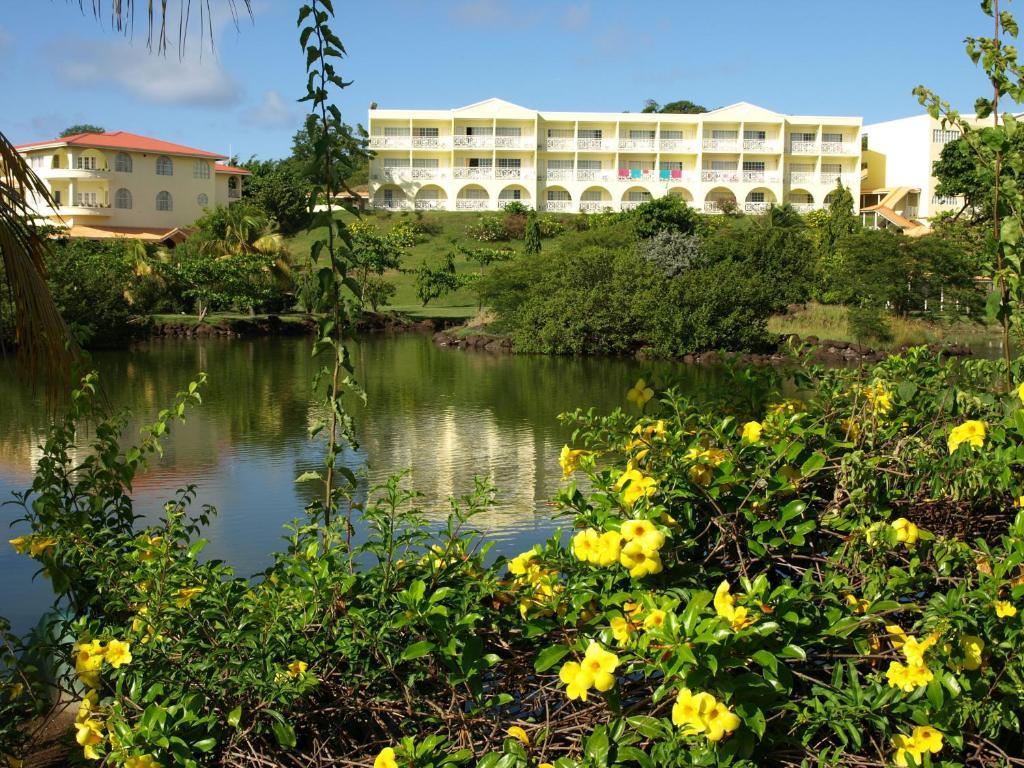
1004,608
297,669
385,759
971,432
973,648
752,431
640,393
689,710
719,721
141,761
635,485
655,619
643,531
639,560
118,653
908,677
622,630
518,733
569,460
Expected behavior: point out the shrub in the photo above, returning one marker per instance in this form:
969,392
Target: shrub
406,233
672,252
516,207
377,292
663,213
550,225
489,228
429,225
515,225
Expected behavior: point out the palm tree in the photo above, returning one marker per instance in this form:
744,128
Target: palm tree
42,338
241,229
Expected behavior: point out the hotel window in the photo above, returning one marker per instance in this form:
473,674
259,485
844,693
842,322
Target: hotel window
723,165
479,130
753,165
756,135
803,136
591,196
510,194
85,163
396,130
718,133
640,165
426,133
85,199
637,133
591,133
202,200
755,197
200,169
587,165
164,201
164,166
424,162
123,198
429,193
638,196
671,165
559,165
801,168
672,134
474,193
123,162
480,162
560,133
396,162
508,131
558,194
940,136
836,138
509,162
38,161
834,168
804,198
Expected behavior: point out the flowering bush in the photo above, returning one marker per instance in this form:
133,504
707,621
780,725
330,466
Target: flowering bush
832,578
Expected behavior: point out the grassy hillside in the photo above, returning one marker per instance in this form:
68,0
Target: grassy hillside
451,232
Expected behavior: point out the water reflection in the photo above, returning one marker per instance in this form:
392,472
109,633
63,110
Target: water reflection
446,415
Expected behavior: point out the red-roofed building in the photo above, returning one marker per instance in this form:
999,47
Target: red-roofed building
123,183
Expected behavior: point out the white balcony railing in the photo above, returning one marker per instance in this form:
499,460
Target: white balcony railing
718,206
803,147
555,143
911,212
719,176
802,207
831,178
559,174
803,177
431,142
463,141
637,145
431,204
756,208
515,142
594,206
426,173
592,174
629,205
721,145
762,177
472,204
509,173
838,148
598,144
467,172
390,142
394,204
767,146
644,174
678,145
558,205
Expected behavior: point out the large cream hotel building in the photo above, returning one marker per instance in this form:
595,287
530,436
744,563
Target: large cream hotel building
486,155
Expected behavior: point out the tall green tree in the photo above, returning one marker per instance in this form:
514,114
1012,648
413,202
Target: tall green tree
681,107
532,244
73,130
281,189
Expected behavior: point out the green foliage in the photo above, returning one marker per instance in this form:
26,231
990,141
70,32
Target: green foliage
433,282
93,285
77,128
373,253
666,213
202,283
489,228
377,292
532,245
281,190
681,107
516,207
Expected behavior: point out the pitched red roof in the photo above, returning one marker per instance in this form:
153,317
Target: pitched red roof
219,168
123,140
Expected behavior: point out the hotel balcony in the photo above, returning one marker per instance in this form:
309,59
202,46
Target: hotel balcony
595,145
803,177
560,143
764,146
721,145
804,148
472,204
73,173
719,176
830,179
558,206
629,205
83,209
839,148
757,208
391,142
802,207
431,204
637,145
681,146
761,177
593,174
461,141
595,206
463,172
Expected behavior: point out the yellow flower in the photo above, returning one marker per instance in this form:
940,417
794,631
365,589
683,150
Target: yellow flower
640,393
644,532
622,630
1004,608
906,532
927,739
297,669
185,596
519,564
89,733
41,545
545,765
518,733
637,485
599,665
752,431
909,677
850,428
19,543
719,720
88,660
609,548
385,759
724,600
16,690
914,650
1020,391
973,647
87,706
740,619
689,710
586,545
118,653
569,460
858,604
639,560
905,747
879,397
576,682
970,432
142,761
655,619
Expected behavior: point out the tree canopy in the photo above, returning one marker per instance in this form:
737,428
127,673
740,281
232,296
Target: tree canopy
681,107
77,128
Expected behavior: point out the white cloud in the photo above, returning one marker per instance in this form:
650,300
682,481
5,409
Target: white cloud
197,79
272,112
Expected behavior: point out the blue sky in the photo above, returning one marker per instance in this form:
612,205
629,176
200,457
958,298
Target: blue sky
58,67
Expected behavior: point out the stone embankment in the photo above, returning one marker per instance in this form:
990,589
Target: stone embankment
272,325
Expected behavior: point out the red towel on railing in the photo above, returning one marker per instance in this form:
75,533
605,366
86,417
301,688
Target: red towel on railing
677,173
623,173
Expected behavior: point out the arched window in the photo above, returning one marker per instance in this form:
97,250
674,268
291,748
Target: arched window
123,163
200,169
122,198
203,200
164,202
164,166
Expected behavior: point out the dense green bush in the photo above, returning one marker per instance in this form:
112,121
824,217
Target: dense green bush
280,188
666,213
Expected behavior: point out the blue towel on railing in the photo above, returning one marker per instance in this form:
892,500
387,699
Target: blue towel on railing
634,173
665,173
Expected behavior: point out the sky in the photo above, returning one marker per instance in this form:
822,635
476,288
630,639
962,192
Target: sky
59,66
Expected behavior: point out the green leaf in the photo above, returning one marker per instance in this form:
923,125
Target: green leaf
549,657
235,716
285,734
793,652
416,650
205,745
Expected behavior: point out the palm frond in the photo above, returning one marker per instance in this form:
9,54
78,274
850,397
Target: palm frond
42,338
160,19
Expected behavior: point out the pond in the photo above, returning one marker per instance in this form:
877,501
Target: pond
445,415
